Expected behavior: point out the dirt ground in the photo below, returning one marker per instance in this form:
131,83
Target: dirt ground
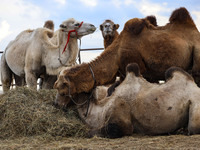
132,142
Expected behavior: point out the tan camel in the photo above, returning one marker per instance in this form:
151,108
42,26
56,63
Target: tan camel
18,80
153,49
33,53
138,106
109,32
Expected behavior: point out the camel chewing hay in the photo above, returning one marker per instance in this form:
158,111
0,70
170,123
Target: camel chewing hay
25,112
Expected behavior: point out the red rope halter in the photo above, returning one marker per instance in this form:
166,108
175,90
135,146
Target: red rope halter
69,36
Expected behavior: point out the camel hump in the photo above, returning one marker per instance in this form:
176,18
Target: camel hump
169,73
133,67
49,24
180,15
152,20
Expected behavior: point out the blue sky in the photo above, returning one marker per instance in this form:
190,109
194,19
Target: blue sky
19,15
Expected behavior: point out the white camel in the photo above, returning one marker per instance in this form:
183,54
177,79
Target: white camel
34,53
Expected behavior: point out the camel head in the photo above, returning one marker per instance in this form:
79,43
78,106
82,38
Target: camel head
108,28
77,28
64,89
71,82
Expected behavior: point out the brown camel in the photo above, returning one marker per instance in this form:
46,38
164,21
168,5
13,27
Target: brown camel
154,49
109,32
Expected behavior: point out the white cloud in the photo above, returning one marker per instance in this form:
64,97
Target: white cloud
146,8
62,2
128,2
4,30
90,3
117,3
19,15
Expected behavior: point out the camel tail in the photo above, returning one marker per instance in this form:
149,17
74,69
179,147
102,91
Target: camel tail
181,15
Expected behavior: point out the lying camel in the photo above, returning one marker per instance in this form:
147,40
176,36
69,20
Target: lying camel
138,106
153,48
109,32
33,53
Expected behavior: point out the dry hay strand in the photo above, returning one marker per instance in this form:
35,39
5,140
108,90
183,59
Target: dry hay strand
26,112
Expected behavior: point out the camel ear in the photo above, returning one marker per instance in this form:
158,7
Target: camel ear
101,27
116,26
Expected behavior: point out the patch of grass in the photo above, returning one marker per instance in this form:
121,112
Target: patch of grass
25,112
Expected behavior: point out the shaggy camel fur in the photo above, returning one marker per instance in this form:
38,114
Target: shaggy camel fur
33,53
109,32
152,48
142,107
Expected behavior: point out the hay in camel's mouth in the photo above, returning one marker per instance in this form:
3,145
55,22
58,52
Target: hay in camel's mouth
25,112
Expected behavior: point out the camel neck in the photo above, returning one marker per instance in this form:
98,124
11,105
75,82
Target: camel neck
105,66
108,41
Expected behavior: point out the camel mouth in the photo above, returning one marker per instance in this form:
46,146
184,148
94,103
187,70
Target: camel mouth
108,33
89,31
92,29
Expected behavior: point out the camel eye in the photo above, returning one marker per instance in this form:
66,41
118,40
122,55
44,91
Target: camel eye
77,24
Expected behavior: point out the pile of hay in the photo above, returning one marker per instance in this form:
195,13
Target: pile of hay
26,112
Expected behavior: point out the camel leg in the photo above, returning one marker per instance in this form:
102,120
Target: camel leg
113,130
19,81
48,81
194,119
33,70
6,74
31,79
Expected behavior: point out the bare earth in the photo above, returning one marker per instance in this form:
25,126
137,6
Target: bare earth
132,142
